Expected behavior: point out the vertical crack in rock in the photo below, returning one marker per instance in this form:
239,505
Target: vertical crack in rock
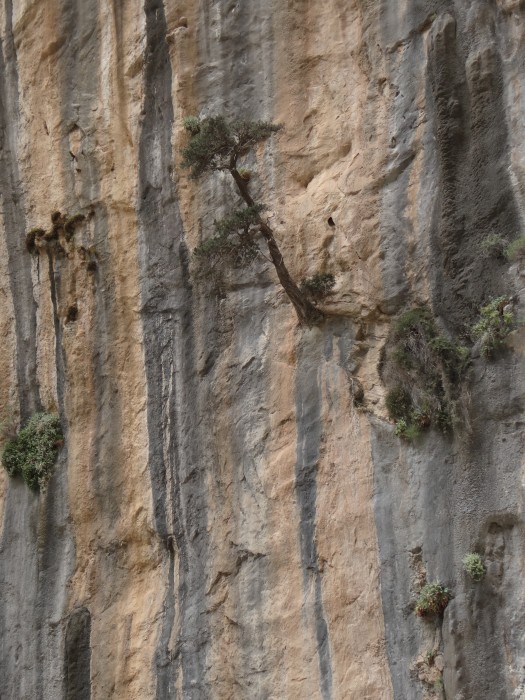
177,477
59,354
308,400
77,657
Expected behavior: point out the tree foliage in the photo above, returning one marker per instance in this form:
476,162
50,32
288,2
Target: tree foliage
216,144
234,241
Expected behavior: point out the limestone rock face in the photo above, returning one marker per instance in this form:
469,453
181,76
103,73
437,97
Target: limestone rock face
232,515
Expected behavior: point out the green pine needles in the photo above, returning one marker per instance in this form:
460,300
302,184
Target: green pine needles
217,144
234,239
32,453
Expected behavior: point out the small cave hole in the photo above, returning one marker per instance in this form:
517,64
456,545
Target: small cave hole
331,222
72,314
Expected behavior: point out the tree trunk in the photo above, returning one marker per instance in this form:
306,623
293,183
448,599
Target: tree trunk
306,311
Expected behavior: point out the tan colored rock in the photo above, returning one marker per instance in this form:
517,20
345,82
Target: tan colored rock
232,516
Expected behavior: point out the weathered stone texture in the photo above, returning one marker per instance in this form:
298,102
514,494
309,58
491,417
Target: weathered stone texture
228,519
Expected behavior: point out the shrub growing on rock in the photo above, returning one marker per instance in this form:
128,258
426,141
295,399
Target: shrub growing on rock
473,565
516,250
399,403
424,369
318,286
32,453
407,430
494,246
496,321
432,601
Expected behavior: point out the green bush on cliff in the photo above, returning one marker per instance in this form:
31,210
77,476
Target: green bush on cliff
318,286
516,250
32,453
424,369
408,431
496,321
494,246
399,403
473,565
432,601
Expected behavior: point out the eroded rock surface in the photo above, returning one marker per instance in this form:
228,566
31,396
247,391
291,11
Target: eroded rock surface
232,515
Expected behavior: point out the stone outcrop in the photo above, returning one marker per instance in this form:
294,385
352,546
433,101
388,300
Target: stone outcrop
231,515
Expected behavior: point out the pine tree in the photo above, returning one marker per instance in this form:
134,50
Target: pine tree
216,144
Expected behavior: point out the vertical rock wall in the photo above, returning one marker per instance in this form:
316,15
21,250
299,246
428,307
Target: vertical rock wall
228,517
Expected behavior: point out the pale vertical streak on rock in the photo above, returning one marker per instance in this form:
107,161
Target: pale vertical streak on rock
8,387
322,59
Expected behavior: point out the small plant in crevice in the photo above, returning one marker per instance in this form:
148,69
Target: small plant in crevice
32,453
516,249
494,246
474,567
246,174
496,321
432,600
407,430
428,669
318,286
430,656
89,256
439,684
424,369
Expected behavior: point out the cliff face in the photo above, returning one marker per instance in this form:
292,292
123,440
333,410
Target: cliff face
228,518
